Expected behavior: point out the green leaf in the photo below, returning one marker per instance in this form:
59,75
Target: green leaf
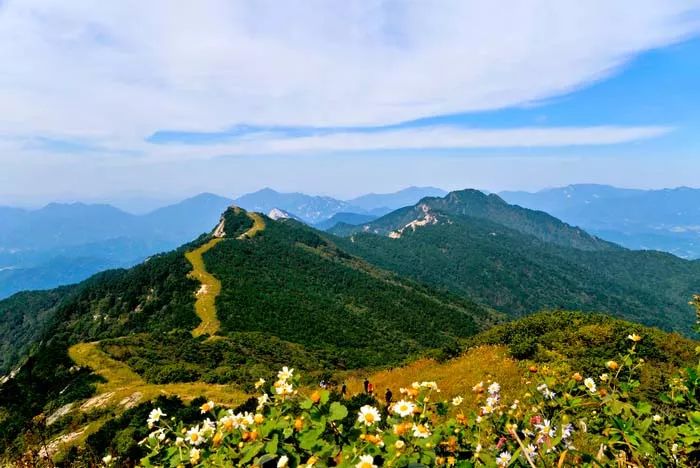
337,411
271,446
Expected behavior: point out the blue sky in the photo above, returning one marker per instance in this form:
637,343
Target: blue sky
103,102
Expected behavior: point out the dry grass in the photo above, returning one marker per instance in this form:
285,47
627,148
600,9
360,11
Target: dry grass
205,306
122,382
454,377
124,388
258,226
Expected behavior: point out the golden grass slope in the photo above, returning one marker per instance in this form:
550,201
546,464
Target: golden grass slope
455,377
205,305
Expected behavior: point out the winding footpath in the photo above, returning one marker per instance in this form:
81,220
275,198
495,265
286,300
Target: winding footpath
205,305
123,388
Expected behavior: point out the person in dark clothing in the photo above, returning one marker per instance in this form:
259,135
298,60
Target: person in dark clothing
388,396
366,384
344,390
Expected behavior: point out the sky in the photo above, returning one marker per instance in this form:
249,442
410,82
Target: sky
167,98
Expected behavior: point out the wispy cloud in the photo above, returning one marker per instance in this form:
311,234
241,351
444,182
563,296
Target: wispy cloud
120,71
434,137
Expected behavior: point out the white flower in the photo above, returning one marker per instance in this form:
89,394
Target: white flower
179,442
478,387
154,416
283,462
567,431
159,434
399,444
368,415
194,456
478,448
208,427
247,419
403,408
206,407
262,401
421,431
430,385
634,337
590,384
285,374
283,388
194,436
229,422
478,419
657,418
494,388
530,450
604,377
503,459
548,394
456,401
107,459
259,383
492,401
366,461
545,428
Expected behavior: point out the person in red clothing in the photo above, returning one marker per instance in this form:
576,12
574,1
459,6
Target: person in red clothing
370,388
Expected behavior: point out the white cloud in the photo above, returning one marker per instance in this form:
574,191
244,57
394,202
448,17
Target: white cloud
442,137
115,72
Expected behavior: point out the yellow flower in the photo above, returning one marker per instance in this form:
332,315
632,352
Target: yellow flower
612,365
634,337
258,418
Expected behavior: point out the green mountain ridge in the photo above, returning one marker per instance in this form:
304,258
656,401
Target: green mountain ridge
519,261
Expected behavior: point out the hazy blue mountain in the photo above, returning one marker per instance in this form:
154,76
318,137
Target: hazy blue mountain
313,209
352,219
310,208
66,243
667,219
392,201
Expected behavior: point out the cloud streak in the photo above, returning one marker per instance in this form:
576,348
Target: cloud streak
426,138
120,71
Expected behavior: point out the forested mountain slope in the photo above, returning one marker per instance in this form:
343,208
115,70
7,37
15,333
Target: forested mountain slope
520,261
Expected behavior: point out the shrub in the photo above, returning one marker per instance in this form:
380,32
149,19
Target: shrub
560,420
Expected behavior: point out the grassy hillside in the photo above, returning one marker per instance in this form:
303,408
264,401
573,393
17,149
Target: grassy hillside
287,295
596,339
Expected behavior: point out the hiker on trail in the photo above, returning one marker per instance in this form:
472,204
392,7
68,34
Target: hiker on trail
366,384
370,388
344,390
388,396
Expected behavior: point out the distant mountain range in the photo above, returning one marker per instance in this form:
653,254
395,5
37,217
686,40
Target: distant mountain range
667,219
314,209
65,243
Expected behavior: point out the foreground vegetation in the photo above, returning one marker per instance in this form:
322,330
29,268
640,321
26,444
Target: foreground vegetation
574,420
